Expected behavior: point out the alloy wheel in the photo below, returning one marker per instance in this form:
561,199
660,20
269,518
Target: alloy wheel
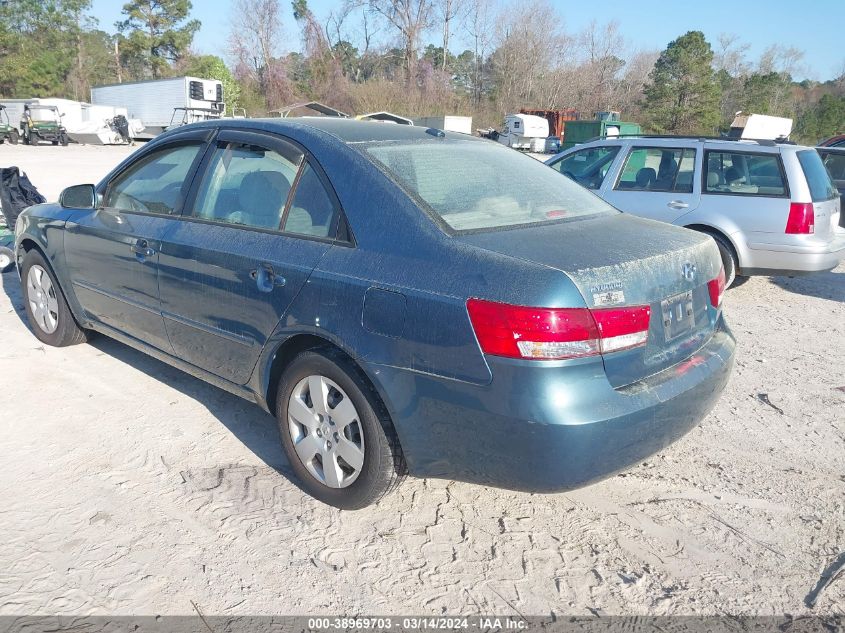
326,431
43,303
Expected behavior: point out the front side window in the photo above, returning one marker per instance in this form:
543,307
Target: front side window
744,174
588,167
477,185
818,178
658,169
156,183
247,184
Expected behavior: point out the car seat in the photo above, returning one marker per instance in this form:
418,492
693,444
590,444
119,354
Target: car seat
645,178
261,197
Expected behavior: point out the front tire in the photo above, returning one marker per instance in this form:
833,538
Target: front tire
14,137
45,304
335,433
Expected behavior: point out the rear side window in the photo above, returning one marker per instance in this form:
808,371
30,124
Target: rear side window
744,174
313,211
588,167
818,179
155,184
658,169
247,184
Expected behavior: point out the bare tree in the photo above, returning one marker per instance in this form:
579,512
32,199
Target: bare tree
729,55
479,26
411,18
448,11
253,44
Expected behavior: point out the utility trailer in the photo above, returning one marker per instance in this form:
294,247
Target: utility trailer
447,123
154,101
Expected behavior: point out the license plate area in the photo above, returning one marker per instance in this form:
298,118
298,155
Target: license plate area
678,315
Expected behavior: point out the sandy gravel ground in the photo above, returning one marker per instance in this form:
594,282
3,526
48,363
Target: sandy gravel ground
130,488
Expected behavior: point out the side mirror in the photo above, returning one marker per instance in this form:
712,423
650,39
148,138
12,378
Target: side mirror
79,197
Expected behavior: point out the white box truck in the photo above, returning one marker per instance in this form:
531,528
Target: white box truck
447,123
161,103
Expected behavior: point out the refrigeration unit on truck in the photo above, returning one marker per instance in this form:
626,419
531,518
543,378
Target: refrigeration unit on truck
154,102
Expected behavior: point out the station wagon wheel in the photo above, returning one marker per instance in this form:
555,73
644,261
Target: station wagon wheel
45,304
334,431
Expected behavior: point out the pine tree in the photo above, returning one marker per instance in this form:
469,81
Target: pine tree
152,35
682,96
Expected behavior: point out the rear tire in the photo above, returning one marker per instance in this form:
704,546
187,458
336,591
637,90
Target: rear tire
728,259
14,137
345,421
45,304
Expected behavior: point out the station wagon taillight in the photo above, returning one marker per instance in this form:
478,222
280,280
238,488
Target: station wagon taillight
802,218
717,289
556,333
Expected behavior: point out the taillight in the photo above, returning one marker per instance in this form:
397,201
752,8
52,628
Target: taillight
717,289
556,333
802,218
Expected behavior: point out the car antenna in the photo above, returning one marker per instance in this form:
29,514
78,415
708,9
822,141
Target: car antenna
435,132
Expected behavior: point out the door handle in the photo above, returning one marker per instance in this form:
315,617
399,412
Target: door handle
678,204
266,278
142,249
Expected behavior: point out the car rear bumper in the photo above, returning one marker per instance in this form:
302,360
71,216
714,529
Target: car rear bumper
811,257
545,428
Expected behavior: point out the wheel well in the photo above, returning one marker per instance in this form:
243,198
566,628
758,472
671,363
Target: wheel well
28,244
703,228
299,343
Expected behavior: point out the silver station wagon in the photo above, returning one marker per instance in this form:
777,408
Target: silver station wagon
771,207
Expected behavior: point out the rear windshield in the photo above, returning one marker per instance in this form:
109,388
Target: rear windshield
477,185
818,179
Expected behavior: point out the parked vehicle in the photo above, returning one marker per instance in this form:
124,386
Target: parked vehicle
834,160
448,123
523,131
393,299
154,101
7,130
771,207
42,123
837,140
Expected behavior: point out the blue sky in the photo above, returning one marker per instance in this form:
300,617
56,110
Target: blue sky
814,26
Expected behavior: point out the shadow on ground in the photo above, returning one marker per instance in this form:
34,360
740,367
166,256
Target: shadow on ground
255,428
828,285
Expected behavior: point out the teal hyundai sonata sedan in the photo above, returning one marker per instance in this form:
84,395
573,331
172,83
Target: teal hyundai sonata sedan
402,299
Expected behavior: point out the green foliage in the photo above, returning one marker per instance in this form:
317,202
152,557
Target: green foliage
212,67
682,95
154,35
824,119
766,94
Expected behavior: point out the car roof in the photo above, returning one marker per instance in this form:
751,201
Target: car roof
346,130
763,146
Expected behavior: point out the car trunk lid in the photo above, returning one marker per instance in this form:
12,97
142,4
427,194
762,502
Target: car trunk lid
622,260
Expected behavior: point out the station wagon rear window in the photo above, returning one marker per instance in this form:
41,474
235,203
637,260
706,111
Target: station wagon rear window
818,178
481,185
744,174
